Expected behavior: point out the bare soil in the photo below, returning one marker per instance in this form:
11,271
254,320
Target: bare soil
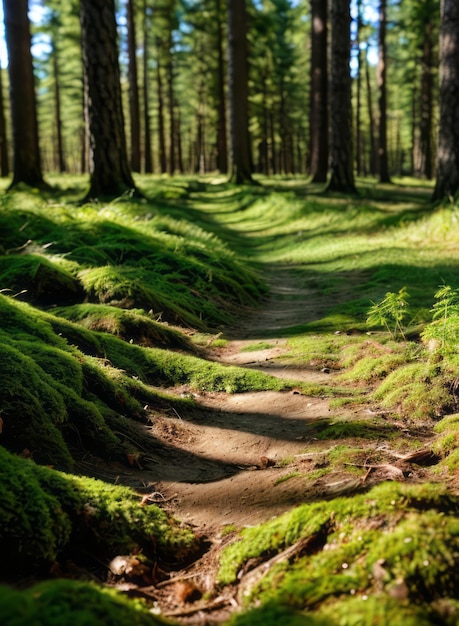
241,459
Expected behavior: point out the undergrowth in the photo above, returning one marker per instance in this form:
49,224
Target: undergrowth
107,309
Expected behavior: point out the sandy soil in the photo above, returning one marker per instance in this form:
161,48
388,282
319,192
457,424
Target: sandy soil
234,460
238,460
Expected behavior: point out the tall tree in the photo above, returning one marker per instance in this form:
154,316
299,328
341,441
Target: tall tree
4,159
447,180
238,79
134,105
110,175
342,173
318,107
383,163
148,155
222,145
26,163
359,152
160,98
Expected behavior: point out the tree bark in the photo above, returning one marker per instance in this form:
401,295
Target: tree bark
4,158
134,105
425,127
342,173
370,118
359,152
57,111
318,115
238,77
171,101
222,143
148,155
383,164
27,162
161,135
110,175
447,180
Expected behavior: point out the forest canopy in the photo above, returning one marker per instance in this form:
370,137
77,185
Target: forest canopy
179,110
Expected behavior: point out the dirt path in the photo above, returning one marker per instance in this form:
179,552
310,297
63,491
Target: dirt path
243,458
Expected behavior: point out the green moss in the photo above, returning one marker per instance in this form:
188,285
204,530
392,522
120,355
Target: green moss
344,427
44,282
60,365
161,367
45,513
133,326
275,615
394,541
22,321
375,609
32,409
285,477
347,515
72,603
254,347
447,443
370,369
416,390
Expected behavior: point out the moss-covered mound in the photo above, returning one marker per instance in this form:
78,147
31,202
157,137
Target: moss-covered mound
65,603
66,390
47,517
390,556
134,326
130,255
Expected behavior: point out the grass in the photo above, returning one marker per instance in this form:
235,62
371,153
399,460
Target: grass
107,309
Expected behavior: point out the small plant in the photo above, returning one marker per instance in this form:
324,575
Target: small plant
444,327
391,312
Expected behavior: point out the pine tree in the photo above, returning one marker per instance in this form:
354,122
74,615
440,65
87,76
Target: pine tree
110,175
342,174
27,161
447,181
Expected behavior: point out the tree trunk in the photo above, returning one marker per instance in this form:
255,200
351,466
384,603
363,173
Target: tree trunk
4,158
171,100
241,161
425,128
57,111
371,119
383,165
342,174
148,155
359,153
110,175
178,135
272,137
263,148
134,106
161,134
27,163
447,182
318,114
414,140
222,143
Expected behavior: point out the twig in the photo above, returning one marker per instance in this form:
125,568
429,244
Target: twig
218,603
249,580
176,579
152,497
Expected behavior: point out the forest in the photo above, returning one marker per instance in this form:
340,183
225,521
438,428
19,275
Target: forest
229,312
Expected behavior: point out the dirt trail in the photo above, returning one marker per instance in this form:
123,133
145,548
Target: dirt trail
234,461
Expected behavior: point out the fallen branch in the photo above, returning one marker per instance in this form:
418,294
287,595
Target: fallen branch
420,457
395,473
218,603
302,546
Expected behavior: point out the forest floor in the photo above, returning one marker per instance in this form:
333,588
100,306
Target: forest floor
237,460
